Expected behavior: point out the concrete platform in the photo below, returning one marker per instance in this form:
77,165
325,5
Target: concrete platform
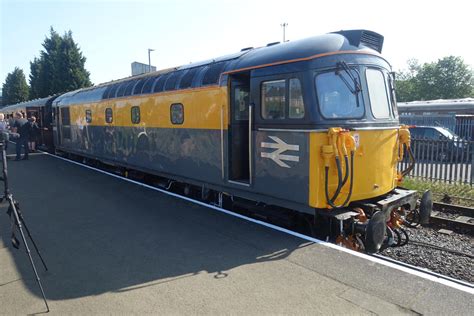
115,247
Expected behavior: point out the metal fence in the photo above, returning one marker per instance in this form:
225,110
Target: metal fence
442,160
461,125
464,126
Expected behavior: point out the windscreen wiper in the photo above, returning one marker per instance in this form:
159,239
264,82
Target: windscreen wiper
354,89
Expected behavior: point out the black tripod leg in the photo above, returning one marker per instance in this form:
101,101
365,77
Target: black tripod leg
29,235
20,228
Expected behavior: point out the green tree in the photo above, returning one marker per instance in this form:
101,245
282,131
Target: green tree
15,88
448,78
406,82
60,67
35,81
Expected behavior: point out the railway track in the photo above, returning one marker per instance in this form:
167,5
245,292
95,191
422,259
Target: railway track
453,217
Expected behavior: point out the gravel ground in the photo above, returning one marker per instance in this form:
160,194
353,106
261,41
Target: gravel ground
446,263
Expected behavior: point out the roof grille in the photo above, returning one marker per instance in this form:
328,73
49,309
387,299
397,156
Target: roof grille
372,40
363,37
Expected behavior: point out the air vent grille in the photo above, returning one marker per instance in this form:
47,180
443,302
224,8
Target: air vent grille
372,40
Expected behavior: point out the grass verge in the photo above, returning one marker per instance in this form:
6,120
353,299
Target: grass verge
459,194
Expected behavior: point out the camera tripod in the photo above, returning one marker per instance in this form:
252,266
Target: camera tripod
18,221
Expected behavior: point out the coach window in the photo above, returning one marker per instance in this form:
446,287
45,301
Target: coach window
138,87
113,90
296,110
129,88
378,93
88,116
65,117
121,89
108,115
149,85
213,73
273,100
135,112
177,113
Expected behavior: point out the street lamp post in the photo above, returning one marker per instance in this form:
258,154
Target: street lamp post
149,59
284,25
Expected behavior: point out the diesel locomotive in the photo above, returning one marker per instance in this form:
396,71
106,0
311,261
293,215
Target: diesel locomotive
305,130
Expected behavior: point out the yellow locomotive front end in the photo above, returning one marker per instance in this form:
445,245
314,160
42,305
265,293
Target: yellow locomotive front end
353,165
368,162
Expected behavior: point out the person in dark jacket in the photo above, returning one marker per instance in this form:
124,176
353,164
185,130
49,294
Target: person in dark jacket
34,134
22,127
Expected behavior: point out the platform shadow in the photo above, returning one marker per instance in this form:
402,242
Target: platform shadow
99,234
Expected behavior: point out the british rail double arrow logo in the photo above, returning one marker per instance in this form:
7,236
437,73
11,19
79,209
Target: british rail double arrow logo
277,155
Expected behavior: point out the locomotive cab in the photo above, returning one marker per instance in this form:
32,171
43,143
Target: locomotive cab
325,131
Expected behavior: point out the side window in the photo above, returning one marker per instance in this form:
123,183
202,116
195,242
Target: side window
172,80
416,132
129,88
241,101
108,115
378,93
138,87
390,79
296,110
148,85
160,83
187,79
65,118
273,99
88,116
177,113
213,73
106,92
121,89
113,90
431,133
135,112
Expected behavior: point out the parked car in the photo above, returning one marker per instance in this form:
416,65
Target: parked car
436,143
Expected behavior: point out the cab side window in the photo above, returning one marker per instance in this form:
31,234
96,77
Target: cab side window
273,99
281,99
296,110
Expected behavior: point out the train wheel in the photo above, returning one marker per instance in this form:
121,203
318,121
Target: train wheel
375,233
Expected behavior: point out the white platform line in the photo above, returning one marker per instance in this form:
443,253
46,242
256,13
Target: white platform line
425,275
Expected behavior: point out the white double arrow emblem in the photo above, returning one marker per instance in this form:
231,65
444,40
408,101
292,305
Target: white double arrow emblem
280,147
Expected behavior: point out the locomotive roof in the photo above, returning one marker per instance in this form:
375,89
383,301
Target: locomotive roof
208,72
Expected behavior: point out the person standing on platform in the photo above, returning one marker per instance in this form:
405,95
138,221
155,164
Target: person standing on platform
34,134
22,127
4,127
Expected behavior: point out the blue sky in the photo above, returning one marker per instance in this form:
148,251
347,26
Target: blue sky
112,34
